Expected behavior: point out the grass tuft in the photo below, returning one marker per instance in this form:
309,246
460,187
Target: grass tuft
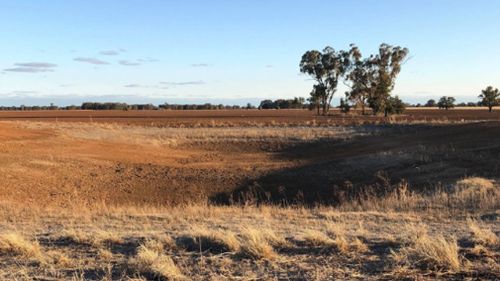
14,243
429,252
256,245
151,261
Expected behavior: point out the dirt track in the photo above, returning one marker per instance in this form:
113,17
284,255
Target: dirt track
69,163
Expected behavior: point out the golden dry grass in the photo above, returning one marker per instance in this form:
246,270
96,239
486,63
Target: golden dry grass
152,260
483,235
255,244
434,252
16,244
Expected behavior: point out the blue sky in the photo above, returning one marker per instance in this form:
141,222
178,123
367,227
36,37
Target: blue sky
234,51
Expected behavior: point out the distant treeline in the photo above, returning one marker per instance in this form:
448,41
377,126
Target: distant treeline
295,103
265,104
125,106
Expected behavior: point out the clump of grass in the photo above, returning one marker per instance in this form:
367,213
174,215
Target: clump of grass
105,255
358,246
316,238
215,241
256,245
429,252
475,184
274,239
14,243
482,235
477,192
94,238
151,261
60,259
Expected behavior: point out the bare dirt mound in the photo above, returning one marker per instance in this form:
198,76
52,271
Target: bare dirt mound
65,164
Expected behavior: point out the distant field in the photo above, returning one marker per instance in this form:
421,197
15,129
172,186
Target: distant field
190,118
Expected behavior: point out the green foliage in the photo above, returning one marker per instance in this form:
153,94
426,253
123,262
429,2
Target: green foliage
371,80
344,106
446,102
386,66
297,102
431,103
490,97
326,68
395,106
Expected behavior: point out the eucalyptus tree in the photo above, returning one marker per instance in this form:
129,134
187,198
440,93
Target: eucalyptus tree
446,102
490,97
326,68
386,67
360,78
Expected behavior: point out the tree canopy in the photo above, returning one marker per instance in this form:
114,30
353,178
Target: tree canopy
371,80
490,97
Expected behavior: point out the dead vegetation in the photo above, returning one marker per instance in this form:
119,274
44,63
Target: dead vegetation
200,242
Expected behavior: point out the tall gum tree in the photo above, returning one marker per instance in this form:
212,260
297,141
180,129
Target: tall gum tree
326,68
490,97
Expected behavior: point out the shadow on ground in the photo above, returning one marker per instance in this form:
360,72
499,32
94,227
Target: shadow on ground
426,156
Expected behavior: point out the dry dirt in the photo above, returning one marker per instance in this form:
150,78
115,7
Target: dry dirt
196,118
60,163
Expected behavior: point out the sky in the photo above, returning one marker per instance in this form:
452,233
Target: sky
142,51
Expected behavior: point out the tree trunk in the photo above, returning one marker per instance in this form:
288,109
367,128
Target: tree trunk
490,108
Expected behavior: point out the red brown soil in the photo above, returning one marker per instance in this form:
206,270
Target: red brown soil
193,118
43,167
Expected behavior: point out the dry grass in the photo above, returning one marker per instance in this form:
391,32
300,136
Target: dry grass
152,261
96,238
203,242
146,135
204,239
255,244
317,238
467,195
429,252
483,235
320,243
14,243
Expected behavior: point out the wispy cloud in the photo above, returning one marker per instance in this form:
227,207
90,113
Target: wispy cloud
134,86
32,67
109,53
200,65
91,60
147,59
36,64
269,66
145,86
28,69
112,52
128,63
185,83
23,92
